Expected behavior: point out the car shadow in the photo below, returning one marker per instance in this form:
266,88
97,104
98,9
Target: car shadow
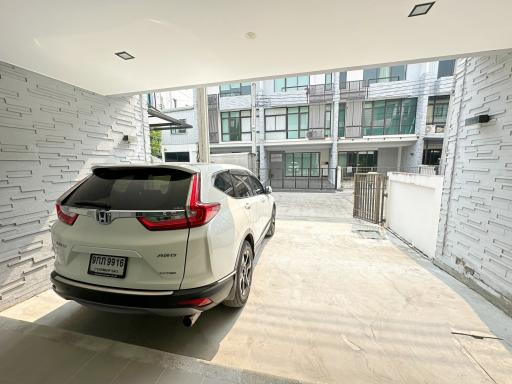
152,331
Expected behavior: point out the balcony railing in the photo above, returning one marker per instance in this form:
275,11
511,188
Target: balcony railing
316,133
379,80
320,93
354,90
353,131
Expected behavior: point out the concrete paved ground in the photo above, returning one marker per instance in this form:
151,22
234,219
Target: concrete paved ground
328,305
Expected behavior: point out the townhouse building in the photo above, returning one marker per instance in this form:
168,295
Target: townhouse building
374,119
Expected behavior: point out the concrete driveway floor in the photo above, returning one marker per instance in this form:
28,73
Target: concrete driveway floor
329,304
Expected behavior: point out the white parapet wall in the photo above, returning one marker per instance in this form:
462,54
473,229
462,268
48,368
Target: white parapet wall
412,209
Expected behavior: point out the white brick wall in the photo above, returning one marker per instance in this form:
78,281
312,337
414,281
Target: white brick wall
475,230
50,135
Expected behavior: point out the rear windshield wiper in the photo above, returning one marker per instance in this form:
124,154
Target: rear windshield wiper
94,204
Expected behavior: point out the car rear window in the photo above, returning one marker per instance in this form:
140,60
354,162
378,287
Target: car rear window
133,189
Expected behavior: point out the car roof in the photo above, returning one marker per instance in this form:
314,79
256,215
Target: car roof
191,167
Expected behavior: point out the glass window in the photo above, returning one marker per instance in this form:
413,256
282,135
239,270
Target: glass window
177,156
291,83
302,164
341,120
327,120
389,117
241,184
343,80
385,74
437,110
256,186
445,68
235,89
234,124
224,183
353,161
293,120
133,189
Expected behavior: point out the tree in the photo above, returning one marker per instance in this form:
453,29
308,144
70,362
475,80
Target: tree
155,139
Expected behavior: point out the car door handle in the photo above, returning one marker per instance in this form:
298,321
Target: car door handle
247,206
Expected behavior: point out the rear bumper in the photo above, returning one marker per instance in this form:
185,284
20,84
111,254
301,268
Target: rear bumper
137,301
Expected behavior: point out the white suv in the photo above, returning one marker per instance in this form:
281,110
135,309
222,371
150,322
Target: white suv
168,239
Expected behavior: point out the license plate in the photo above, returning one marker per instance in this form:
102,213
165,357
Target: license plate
110,266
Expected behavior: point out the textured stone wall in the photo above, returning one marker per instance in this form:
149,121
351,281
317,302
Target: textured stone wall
51,133
475,230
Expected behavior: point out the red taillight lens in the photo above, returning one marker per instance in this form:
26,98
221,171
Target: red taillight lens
197,213
200,302
164,223
64,216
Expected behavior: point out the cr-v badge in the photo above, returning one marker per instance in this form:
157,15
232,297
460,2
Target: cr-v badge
103,217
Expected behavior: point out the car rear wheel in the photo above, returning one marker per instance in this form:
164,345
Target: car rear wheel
272,227
243,278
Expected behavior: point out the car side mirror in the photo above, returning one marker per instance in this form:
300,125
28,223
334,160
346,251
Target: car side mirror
268,190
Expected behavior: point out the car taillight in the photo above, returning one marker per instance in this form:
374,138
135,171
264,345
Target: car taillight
197,213
65,216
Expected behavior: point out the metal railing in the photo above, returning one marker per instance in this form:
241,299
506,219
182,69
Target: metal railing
320,93
353,90
379,80
353,131
300,178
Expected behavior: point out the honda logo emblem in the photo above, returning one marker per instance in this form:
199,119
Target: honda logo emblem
103,217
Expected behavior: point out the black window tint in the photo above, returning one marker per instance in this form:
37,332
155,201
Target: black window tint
242,185
133,189
256,186
224,183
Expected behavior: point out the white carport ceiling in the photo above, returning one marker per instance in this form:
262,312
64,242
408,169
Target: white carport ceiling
179,44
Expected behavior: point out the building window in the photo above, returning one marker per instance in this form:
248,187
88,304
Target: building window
445,68
437,110
343,80
389,117
384,74
235,89
292,120
236,125
302,164
328,81
352,162
178,131
341,120
327,120
177,157
291,83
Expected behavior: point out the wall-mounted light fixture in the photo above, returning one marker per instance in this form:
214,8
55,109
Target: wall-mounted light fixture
479,119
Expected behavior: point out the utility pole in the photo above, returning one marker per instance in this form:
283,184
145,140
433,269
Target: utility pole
202,125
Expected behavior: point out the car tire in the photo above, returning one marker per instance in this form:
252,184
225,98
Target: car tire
243,277
272,228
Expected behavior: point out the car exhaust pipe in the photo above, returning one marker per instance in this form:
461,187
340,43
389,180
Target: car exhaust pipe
189,321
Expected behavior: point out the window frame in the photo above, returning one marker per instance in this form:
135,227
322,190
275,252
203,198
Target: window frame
296,87
436,101
240,122
217,174
288,114
301,173
385,79
242,89
439,67
368,130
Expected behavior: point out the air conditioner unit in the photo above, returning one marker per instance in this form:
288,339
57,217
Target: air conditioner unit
430,128
309,134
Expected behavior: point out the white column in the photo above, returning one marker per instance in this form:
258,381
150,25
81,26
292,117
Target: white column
399,160
202,125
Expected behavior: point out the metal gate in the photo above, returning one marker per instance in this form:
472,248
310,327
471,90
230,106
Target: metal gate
369,196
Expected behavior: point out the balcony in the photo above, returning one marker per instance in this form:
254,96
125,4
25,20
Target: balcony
316,133
353,132
320,93
353,90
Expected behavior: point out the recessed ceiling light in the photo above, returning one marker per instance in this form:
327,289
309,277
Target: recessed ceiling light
250,35
125,55
421,9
